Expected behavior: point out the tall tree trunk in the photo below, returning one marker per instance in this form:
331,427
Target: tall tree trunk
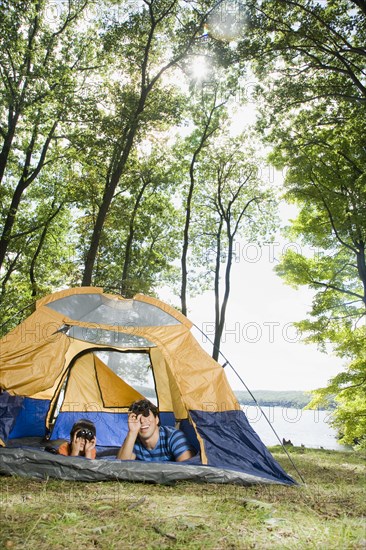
39,249
8,140
361,267
131,232
124,147
23,183
183,292
207,133
147,85
219,327
216,344
109,190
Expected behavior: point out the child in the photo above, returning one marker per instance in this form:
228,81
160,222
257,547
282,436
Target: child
82,440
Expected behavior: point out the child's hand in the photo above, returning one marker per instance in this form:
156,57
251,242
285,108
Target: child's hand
89,446
77,445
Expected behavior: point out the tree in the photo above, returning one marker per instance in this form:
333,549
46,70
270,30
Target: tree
143,41
234,203
348,388
140,241
327,180
39,59
311,66
309,51
207,116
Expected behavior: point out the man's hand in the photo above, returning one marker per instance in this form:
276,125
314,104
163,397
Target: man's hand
134,425
134,422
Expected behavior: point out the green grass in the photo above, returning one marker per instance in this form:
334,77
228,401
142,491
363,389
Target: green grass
328,512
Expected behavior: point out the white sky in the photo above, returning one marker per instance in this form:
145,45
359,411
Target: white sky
259,339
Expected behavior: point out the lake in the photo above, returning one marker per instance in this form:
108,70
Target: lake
309,428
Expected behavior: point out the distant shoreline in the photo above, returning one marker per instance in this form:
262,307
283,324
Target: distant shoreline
268,398
264,398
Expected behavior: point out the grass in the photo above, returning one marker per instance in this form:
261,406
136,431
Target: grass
328,512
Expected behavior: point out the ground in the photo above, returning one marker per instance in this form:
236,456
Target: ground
327,512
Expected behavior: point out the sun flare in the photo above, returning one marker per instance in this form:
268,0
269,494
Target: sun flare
199,68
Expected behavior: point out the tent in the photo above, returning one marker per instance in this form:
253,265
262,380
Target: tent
85,353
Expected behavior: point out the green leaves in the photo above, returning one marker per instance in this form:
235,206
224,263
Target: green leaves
311,62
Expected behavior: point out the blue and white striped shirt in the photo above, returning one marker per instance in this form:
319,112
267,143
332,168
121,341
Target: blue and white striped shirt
171,444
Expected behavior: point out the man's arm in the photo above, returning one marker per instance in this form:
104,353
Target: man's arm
184,456
180,446
126,450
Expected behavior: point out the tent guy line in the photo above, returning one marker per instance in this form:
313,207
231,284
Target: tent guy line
228,363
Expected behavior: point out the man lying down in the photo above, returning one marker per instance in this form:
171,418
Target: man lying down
147,440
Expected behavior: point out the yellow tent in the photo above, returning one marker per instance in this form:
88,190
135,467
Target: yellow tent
82,353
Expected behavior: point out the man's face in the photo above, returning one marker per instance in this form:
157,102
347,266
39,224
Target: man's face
149,424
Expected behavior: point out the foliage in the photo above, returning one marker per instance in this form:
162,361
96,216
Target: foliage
348,389
141,46
326,179
81,89
45,56
312,111
311,52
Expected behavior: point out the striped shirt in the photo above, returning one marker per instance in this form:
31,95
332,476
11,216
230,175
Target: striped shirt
171,444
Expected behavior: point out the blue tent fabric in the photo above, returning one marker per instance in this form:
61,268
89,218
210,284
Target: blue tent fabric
230,442
10,406
22,417
111,427
30,421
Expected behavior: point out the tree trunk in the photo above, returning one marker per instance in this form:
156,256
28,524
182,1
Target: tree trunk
219,328
361,267
8,140
216,344
108,195
207,133
127,262
23,183
39,249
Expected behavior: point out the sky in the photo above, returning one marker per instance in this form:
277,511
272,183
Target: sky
259,339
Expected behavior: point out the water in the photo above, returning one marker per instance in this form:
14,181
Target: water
309,428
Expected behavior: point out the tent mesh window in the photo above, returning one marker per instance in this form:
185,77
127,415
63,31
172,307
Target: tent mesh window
96,308
96,335
134,368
